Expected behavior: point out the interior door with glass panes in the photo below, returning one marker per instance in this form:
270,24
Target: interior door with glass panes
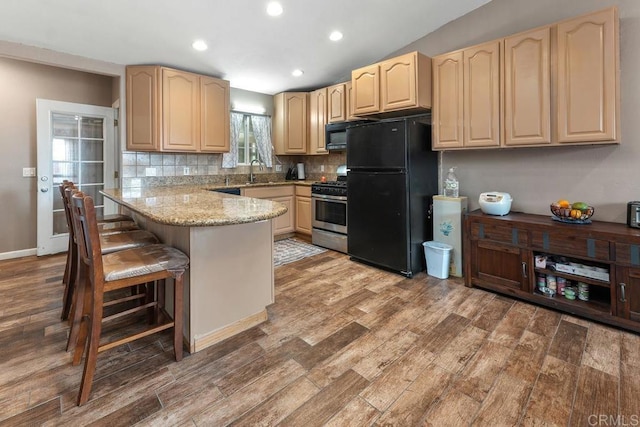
75,143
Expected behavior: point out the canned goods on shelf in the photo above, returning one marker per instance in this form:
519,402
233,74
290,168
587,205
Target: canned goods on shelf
569,293
551,282
562,283
583,291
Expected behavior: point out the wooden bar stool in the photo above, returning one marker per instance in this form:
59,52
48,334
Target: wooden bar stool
111,240
118,270
111,224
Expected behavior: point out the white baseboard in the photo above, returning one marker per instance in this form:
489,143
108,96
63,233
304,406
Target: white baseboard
17,254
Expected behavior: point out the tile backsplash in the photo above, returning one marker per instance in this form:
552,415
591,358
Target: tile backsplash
142,169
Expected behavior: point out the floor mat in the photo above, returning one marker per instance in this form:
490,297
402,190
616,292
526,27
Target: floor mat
289,250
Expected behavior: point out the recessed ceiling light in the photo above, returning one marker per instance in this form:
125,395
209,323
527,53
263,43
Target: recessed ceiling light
199,45
297,72
335,36
274,9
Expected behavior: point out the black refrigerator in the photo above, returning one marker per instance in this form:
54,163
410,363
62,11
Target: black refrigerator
391,179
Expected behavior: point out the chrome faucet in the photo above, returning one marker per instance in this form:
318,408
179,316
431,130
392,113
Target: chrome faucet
252,177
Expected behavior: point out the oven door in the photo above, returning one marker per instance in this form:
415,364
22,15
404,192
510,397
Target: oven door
329,212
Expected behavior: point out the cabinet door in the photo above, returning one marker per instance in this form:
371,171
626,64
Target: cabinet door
336,103
527,90
588,78
180,111
366,90
398,83
214,108
284,223
628,293
499,266
482,95
295,123
348,88
303,215
142,108
448,101
317,120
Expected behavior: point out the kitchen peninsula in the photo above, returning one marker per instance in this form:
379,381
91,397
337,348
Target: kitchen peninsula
229,241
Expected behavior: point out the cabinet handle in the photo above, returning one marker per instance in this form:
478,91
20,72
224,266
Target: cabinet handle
623,296
524,269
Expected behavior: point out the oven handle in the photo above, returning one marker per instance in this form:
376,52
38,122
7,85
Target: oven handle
326,197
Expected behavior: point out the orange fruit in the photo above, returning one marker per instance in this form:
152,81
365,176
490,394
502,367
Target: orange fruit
563,203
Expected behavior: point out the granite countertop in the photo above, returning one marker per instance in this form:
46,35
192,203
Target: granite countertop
195,206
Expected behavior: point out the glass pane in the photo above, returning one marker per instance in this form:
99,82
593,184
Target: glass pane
91,150
64,149
91,127
64,170
91,173
64,125
59,223
57,199
99,213
94,192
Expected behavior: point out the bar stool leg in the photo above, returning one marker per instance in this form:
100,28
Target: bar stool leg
177,315
95,328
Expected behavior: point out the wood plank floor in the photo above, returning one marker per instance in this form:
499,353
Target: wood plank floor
345,345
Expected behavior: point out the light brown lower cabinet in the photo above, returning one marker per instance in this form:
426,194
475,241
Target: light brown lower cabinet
284,194
303,210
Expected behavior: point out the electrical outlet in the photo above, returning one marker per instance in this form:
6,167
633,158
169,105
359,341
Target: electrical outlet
321,168
150,171
186,170
278,168
27,172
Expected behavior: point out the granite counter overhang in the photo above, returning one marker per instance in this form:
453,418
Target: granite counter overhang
195,206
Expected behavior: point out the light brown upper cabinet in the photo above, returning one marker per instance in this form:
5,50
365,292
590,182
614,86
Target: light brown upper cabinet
214,111
548,86
448,100
366,90
481,71
527,88
172,110
466,98
348,88
588,81
180,107
143,133
317,120
400,84
337,103
290,122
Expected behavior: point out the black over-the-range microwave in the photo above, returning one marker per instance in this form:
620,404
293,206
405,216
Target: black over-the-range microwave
336,134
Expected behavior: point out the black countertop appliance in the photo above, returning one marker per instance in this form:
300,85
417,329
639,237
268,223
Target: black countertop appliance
392,177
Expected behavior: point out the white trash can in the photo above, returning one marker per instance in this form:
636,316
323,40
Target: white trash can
438,256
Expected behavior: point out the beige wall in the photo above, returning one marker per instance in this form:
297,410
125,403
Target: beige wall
604,176
20,84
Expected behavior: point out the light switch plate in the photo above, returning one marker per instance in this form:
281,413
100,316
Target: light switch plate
186,170
27,172
278,168
321,168
150,171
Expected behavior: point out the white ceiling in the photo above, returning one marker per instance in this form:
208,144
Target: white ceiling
254,51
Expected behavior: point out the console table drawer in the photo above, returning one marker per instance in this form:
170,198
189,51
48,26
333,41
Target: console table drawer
499,233
570,245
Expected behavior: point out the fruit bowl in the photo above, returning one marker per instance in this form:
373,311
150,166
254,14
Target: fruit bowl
572,214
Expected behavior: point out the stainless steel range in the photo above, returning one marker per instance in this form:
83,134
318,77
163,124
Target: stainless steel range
329,212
